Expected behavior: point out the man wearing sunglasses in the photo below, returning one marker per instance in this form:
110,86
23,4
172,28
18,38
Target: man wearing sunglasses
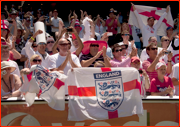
94,55
150,29
119,60
64,59
144,56
154,58
41,50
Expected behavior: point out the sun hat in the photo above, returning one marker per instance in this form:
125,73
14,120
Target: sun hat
5,25
86,48
6,64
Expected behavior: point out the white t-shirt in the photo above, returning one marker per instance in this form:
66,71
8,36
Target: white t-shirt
175,74
146,30
56,60
144,56
135,32
99,29
55,23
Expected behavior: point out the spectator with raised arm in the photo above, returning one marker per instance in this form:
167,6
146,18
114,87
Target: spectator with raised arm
54,21
150,29
99,25
41,49
5,54
118,60
64,59
125,36
94,51
150,64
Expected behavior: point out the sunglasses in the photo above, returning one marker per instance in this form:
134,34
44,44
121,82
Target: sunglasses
37,60
154,48
166,40
3,29
42,44
118,50
34,46
125,34
50,42
65,44
94,45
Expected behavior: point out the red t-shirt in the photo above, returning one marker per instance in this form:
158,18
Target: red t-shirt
11,55
157,86
112,28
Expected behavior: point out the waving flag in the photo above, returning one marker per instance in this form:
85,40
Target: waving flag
103,93
156,12
48,86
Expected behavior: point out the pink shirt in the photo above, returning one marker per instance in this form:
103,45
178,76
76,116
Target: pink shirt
112,28
124,63
157,86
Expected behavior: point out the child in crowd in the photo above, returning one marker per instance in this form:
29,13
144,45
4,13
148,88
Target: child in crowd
135,62
161,85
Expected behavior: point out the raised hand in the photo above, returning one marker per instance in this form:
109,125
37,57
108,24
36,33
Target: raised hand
39,32
99,54
104,51
167,9
133,6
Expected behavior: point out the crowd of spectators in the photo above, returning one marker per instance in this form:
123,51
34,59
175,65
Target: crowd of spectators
88,42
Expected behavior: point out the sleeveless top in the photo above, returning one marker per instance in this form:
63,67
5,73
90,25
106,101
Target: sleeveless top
3,93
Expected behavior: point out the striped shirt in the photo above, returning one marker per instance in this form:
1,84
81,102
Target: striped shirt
153,74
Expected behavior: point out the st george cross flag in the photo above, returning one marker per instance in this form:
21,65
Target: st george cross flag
48,85
156,12
103,93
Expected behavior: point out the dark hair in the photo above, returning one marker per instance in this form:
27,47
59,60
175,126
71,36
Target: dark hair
150,18
115,46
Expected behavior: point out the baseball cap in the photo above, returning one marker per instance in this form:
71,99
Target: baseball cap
159,64
134,58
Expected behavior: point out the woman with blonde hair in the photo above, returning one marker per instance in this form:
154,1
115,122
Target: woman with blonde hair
165,41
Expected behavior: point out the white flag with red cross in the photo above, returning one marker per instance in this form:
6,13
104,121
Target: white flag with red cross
103,93
156,12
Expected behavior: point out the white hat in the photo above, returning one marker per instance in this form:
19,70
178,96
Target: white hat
6,64
50,39
159,64
40,37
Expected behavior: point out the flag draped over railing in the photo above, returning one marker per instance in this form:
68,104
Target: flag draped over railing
47,85
103,93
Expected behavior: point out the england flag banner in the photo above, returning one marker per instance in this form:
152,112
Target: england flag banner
103,93
47,85
147,11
